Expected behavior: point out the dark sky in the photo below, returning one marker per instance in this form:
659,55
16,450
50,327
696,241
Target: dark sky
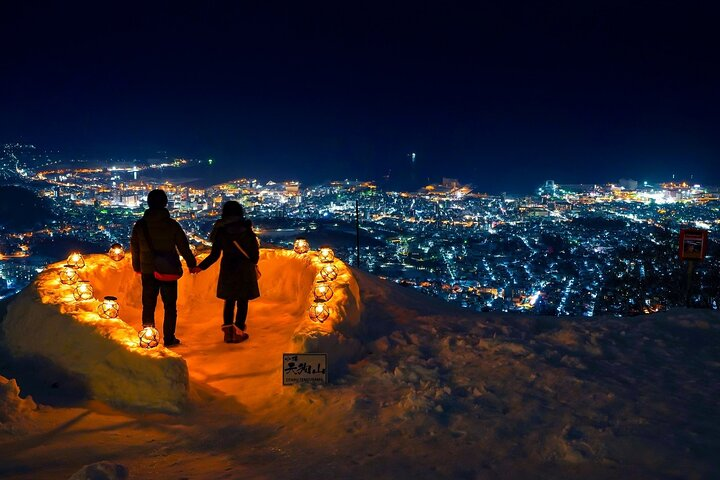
501,94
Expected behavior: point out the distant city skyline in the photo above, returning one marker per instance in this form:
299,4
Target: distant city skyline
502,96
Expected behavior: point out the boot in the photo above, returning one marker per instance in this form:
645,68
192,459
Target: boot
229,331
240,335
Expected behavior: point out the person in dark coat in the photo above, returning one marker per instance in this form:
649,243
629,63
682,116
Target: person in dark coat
167,237
237,283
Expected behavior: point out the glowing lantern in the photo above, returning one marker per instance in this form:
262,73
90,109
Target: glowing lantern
68,275
109,308
326,254
301,246
329,273
319,312
116,252
323,292
83,291
76,260
149,337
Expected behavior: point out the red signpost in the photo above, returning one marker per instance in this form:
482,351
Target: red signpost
693,244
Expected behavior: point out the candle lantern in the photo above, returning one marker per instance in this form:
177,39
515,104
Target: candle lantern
149,337
109,308
83,291
68,275
326,254
323,292
116,252
329,273
76,260
301,246
319,312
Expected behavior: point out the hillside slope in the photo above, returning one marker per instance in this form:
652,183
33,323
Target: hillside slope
437,392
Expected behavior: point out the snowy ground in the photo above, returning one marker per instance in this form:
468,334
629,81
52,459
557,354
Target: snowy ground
439,393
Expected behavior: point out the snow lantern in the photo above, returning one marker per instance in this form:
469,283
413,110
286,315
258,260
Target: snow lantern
83,291
116,252
301,246
68,275
76,260
149,337
109,307
329,273
326,254
319,312
323,292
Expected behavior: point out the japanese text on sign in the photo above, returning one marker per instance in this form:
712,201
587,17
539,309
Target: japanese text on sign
304,368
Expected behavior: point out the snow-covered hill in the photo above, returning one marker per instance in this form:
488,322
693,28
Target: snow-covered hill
429,391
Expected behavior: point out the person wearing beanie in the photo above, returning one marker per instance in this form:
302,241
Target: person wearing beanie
167,238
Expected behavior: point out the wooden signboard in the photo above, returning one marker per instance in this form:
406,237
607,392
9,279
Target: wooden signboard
304,368
693,244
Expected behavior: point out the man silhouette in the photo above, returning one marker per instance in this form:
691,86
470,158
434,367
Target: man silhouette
167,238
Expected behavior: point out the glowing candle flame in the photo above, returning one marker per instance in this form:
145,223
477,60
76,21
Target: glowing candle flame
329,273
301,246
326,254
116,252
109,308
319,312
149,337
83,291
76,260
323,292
68,275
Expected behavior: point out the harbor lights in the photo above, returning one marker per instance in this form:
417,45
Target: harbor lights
116,252
301,246
76,260
319,312
68,275
322,292
109,307
83,291
329,273
326,254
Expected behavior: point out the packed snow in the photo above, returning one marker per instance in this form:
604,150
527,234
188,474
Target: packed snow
419,390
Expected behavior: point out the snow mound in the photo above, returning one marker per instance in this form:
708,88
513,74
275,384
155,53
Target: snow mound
15,412
46,321
101,471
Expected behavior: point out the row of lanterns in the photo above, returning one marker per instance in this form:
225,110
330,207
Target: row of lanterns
108,308
322,291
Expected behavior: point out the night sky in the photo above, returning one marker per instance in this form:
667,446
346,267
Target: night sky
501,94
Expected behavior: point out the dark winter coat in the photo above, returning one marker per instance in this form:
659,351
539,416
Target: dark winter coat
167,237
237,279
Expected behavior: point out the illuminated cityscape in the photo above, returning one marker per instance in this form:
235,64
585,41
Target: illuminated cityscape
591,249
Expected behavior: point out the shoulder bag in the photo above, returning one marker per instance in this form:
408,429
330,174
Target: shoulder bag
166,266
242,250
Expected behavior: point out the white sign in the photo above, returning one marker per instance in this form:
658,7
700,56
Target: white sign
304,368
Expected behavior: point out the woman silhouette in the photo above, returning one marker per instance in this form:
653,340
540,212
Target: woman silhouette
233,236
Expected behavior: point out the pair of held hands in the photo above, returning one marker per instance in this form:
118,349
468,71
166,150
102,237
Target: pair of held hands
193,270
